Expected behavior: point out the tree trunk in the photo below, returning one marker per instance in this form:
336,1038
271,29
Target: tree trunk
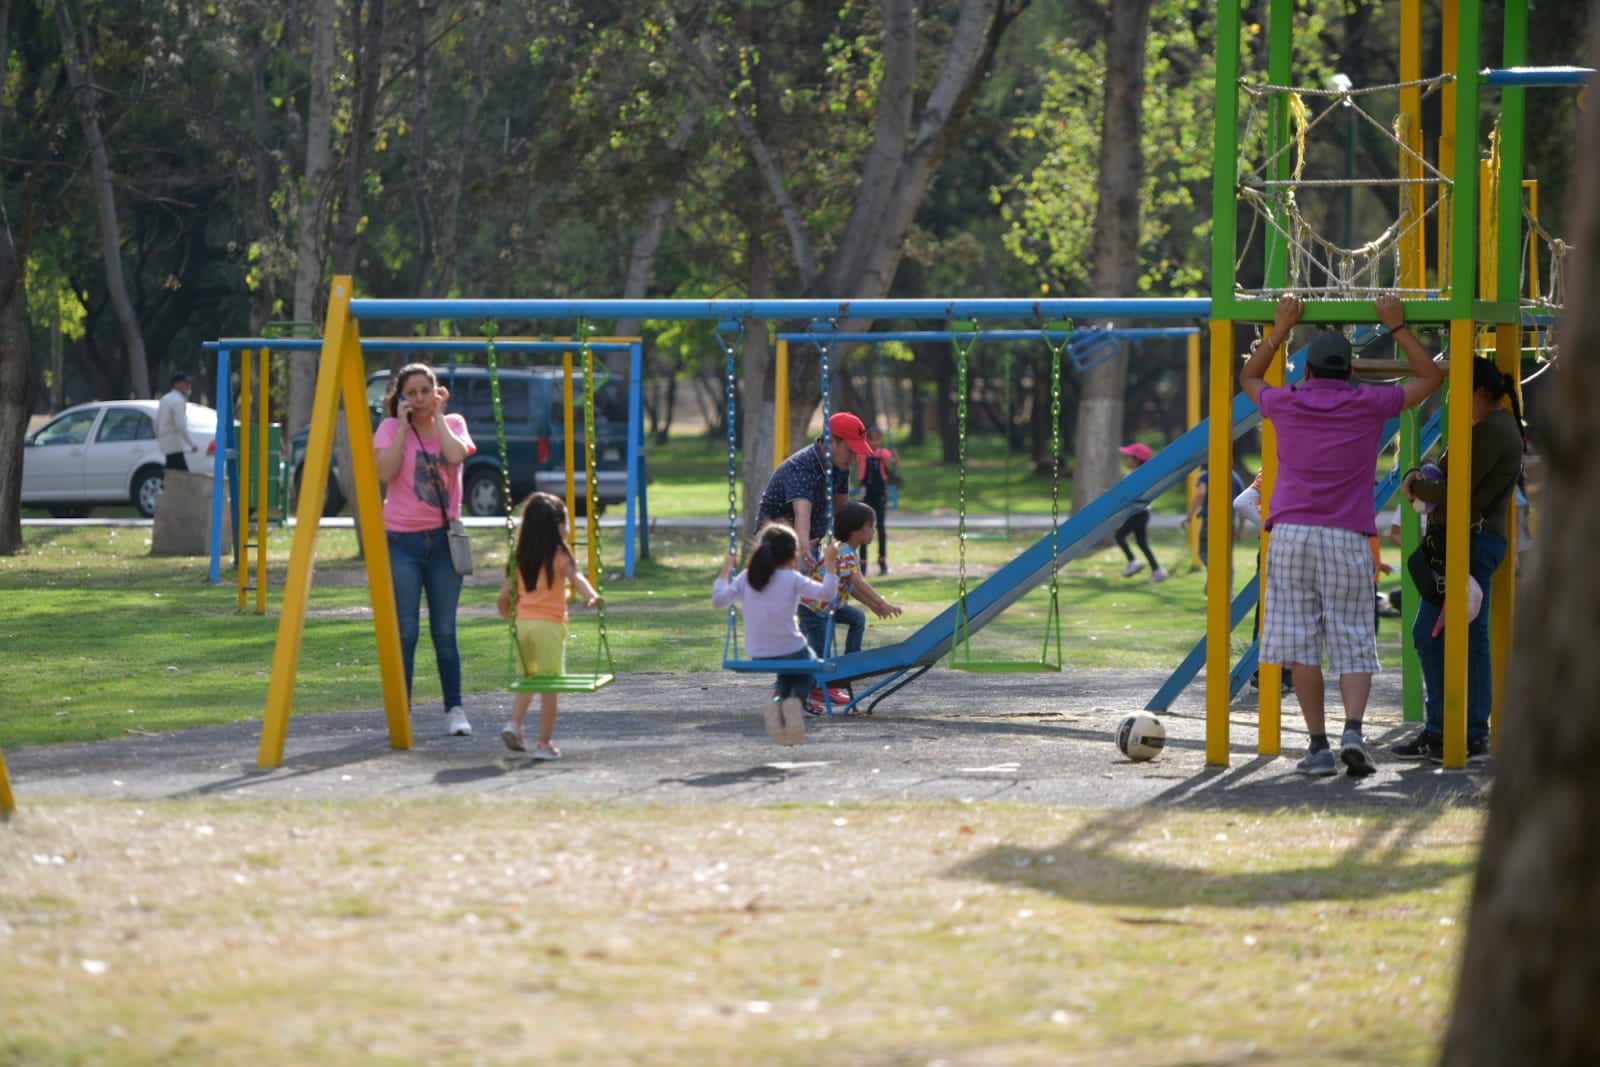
16,357
1531,964
16,384
312,208
1116,244
755,380
450,213
417,155
84,95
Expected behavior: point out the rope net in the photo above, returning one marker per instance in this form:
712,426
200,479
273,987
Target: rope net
1316,264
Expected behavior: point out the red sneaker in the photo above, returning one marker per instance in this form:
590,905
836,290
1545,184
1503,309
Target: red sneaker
835,696
839,696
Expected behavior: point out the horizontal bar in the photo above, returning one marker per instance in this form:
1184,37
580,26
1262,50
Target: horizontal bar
1549,77
421,344
1131,333
989,308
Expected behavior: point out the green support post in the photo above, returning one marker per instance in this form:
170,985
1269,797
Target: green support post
1225,160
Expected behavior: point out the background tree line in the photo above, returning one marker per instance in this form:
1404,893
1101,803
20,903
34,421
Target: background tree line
175,172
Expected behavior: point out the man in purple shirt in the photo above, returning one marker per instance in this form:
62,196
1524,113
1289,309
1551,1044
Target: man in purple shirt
1319,557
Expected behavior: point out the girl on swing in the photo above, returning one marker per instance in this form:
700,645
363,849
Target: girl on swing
769,590
545,568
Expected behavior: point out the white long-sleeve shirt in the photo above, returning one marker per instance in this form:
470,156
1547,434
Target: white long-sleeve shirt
172,423
770,628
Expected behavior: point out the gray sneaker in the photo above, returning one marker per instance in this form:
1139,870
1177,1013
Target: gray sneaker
1353,753
1319,763
457,724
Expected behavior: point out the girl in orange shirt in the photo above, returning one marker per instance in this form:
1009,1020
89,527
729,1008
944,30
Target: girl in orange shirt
545,568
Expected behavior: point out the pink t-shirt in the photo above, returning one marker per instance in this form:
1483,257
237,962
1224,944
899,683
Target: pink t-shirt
1328,438
412,503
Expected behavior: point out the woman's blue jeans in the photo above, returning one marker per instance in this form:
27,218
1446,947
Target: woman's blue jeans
421,564
1484,555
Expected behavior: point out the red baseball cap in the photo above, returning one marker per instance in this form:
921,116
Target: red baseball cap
1138,450
851,430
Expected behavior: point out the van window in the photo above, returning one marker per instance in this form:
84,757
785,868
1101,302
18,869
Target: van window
477,400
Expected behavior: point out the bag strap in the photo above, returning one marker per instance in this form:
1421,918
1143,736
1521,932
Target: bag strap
433,475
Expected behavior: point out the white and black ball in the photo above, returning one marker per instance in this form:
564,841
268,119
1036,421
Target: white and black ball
1141,737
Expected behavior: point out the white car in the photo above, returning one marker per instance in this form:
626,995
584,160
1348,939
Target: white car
106,453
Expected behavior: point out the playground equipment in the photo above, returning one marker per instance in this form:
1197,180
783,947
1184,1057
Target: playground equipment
1343,280
8,803
237,455
341,383
729,334
1057,337
522,680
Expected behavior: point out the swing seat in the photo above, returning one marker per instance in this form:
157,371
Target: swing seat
778,666
560,683
1004,666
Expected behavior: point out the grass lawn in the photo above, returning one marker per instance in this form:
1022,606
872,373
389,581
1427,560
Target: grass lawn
470,931
101,638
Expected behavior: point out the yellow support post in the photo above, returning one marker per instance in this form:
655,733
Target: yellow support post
1457,544
1193,480
264,435
241,525
8,803
1413,250
341,374
1219,547
1531,187
780,405
1269,691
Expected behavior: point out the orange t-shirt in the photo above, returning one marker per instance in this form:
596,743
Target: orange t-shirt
1377,557
547,602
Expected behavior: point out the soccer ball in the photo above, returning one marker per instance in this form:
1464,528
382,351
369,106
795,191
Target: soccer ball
1141,737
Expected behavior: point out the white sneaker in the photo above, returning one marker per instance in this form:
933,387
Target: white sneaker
772,715
458,726
1158,576
1134,567
793,713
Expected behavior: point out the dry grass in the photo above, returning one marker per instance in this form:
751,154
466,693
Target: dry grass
459,931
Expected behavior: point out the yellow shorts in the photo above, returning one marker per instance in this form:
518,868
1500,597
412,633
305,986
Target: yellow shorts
544,646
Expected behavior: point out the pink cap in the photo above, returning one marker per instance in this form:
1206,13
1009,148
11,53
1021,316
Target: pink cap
1138,450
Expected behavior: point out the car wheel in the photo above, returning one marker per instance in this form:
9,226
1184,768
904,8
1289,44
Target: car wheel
332,500
481,495
146,487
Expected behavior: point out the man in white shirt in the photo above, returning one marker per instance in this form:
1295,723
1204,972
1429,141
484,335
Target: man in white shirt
172,424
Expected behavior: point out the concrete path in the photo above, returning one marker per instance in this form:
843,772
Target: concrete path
656,738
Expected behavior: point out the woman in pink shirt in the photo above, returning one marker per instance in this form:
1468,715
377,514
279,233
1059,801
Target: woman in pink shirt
420,453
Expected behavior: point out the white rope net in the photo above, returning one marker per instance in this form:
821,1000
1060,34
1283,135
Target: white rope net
1317,265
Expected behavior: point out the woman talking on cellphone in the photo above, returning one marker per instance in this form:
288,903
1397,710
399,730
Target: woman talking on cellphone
420,452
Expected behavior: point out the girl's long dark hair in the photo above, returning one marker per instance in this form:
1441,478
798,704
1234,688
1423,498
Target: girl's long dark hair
1497,383
776,545
541,544
397,382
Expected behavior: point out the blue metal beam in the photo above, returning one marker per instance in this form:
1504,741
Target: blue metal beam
718,310
1542,77
909,336
420,344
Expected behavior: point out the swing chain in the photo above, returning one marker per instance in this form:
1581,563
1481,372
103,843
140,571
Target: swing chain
963,335
1054,622
824,366
730,335
589,479
490,329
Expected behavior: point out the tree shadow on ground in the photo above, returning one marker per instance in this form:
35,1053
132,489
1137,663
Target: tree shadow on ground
1101,864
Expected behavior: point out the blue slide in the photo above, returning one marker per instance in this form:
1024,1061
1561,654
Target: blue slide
1077,535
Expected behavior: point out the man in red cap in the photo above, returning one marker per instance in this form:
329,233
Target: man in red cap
797,492
1138,522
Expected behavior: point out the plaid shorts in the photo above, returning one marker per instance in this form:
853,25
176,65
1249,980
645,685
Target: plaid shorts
1319,590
